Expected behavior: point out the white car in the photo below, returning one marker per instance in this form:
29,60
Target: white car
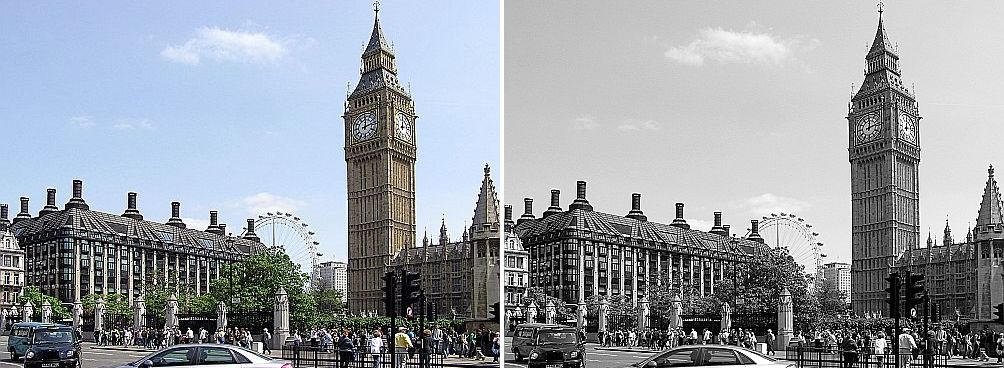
711,355
216,355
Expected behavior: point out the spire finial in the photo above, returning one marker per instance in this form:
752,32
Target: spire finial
991,170
376,6
880,6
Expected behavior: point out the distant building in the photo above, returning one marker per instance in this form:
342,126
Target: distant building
839,275
12,266
74,251
515,267
332,276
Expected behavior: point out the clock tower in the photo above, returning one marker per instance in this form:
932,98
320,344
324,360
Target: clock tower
884,152
380,157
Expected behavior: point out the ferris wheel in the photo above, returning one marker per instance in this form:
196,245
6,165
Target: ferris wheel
796,235
288,233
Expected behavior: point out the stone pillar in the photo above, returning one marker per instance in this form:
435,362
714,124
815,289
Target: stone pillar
551,313
785,324
604,306
27,311
139,313
171,312
46,312
580,315
3,319
644,313
726,317
674,314
99,315
531,312
78,312
280,318
221,316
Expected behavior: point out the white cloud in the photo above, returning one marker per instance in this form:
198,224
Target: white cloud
197,224
82,121
726,46
264,202
768,203
585,123
129,124
637,125
223,45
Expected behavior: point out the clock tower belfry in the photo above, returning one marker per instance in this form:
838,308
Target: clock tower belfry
884,153
380,153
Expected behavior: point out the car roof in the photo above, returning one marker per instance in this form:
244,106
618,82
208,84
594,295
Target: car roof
37,324
542,325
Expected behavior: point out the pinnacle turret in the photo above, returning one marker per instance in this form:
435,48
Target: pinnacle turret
990,207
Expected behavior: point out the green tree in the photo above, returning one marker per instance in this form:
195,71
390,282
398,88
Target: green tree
621,311
256,278
832,302
536,294
117,308
329,301
31,293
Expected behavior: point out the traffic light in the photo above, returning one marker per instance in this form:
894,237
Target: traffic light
410,288
430,311
914,290
390,286
935,312
893,291
999,313
495,311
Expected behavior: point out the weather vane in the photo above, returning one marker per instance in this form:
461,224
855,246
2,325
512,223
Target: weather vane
376,5
880,6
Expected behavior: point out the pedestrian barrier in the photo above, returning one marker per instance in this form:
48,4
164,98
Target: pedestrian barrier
815,357
320,357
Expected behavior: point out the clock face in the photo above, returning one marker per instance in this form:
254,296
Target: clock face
907,130
364,126
403,124
869,127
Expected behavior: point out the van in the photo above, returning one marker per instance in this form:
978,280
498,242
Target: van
548,346
44,345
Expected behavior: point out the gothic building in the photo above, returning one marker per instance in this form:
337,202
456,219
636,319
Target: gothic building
884,154
380,153
75,251
461,278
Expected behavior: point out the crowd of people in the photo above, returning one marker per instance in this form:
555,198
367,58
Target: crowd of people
670,338
154,338
913,345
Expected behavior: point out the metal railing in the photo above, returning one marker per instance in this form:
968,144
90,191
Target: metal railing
823,357
319,357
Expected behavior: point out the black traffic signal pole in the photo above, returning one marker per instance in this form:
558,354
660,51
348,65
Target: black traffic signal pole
390,286
894,286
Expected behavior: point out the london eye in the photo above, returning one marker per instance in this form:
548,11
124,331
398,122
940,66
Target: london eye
797,236
289,234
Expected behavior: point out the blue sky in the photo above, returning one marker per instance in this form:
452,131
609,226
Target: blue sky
237,106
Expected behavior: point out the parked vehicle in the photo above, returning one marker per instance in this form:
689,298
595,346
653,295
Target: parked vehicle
217,355
711,355
44,345
548,346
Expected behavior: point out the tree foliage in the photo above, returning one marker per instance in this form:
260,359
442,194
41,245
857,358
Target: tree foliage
31,293
538,296
755,286
329,301
621,310
832,302
117,308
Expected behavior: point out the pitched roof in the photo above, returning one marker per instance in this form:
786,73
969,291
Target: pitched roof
377,41
881,42
990,207
486,211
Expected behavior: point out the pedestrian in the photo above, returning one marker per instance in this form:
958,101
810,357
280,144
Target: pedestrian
401,345
376,347
426,349
906,346
849,350
771,339
346,349
297,342
880,347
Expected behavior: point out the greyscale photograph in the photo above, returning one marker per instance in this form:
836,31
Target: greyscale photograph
250,184
770,183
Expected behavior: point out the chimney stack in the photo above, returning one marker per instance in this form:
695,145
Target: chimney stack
636,208
77,201
727,229
131,211
755,232
250,235
508,218
50,203
718,229
679,221
214,223
527,211
23,214
580,202
223,229
555,201
175,219
4,222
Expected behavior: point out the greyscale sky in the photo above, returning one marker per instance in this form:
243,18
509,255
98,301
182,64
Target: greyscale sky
740,107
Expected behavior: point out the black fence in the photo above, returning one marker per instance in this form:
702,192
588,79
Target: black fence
320,357
87,322
813,357
253,321
758,322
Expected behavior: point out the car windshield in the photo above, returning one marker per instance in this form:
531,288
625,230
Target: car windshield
557,337
52,335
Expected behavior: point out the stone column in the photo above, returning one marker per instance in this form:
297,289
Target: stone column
531,312
3,319
580,315
726,317
675,320
604,306
785,324
78,311
46,312
644,313
139,313
99,315
221,316
27,311
280,319
551,313
171,312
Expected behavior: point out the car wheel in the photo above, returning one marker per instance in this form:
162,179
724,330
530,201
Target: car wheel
515,354
13,355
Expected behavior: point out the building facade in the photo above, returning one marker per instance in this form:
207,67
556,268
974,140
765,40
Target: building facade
838,276
884,153
333,276
461,278
578,253
515,272
12,266
380,153
74,251
987,285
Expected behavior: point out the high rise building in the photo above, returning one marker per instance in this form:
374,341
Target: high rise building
332,276
884,153
380,153
838,276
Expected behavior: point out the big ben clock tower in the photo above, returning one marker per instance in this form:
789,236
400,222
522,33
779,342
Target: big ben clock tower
380,156
884,152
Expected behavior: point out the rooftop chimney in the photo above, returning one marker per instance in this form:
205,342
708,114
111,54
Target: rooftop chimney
250,235
508,218
77,201
679,221
636,208
527,211
23,215
50,203
175,219
718,229
727,229
555,208
4,222
755,232
223,229
580,202
131,211
214,223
